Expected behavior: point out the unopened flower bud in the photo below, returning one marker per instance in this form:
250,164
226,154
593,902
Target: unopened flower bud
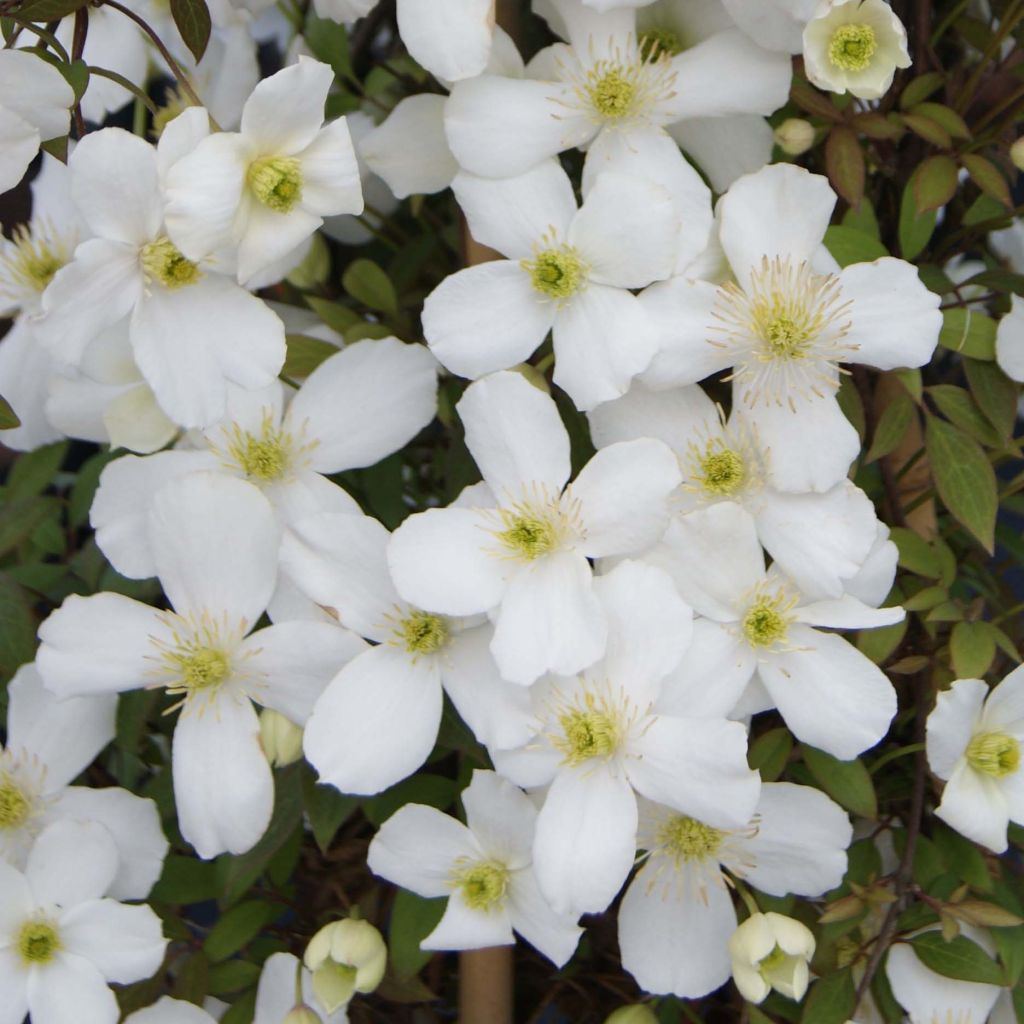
280,737
345,957
794,136
1017,154
771,951
637,1014
302,1014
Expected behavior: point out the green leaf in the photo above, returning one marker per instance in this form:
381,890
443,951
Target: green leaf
831,999
769,752
850,245
972,646
192,19
185,880
84,488
916,555
367,283
328,40
237,927
934,183
929,130
844,163
919,89
232,976
957,406
879,644
964,479
304,354
962,857
8,417
968,332
1010,944
847,782
995,394
914,229
891,427
988,178
413,918
76,74
947,117
192,980
960,959
34,471
47,10
17,627
862,218
20,518
327,810
338,317
242,1010
432,790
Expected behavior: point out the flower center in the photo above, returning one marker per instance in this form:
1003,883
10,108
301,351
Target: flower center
588,731
774,960
767,620
528,535
852,47
423,633
484,884
687,839
612,91
35,259
276,181
659,42
201,668
722,472
38,942
15,806
994,753
557,272
162,261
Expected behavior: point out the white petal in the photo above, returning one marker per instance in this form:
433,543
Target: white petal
554,935
98,644
462,927
70,989
973,804
498,127
800,843
515,436
13,977
135,421
782,210
1010,341
830,694
673,416
951,724
485,318
550,620
623,496
847,612
514,214
726,148
20,143
603,338
35,91
451,40
776,24
1005,705
223,786
171,1011
285,111
673,938
294,662
18,903
586,839
214,540
70,863
408,149
927,996
418,846
376,722
501,817
894,319
268,238
330,175
125,943
365,402
26,368
64,735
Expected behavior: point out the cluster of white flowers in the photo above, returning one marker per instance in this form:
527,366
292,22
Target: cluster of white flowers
607,635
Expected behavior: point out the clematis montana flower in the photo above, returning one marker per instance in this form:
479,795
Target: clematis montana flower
483,867
214,541
259,193
521,551
771,951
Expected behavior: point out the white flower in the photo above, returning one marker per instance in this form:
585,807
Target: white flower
784,326
974,743
524,558
35,102
821,541
773,24
191,329
214,541
569,271
1010,341
771,951
345,957
855,46
757,626
49,742
261,192
483,867
602,738
355,408
276,994
61,941
377,720
677,915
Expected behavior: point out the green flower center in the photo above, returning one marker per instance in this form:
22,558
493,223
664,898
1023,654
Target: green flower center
15,807
35,259
766,622
529,536
852,47
656,43
722,472
556,272
775,959
786,337
612,94
276,182
994,753
588,733
199,668
162,261
38,942
484,885
687,839
423,633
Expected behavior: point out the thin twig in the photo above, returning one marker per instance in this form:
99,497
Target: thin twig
81,30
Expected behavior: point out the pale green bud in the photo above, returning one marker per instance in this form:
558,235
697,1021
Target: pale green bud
280,737
637,1014
1017,154
315,266
794,136
302,1015
345,957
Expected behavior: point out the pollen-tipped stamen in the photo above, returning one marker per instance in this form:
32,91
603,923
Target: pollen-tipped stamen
37,943
686,839
484,884
994,753
276,182
852,47
164,263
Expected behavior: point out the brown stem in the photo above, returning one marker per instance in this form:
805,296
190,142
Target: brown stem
485,986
